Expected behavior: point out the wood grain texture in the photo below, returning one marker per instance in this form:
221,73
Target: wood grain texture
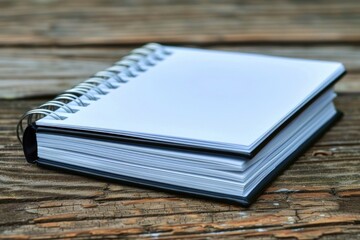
47,46
34,72
317,197
96,22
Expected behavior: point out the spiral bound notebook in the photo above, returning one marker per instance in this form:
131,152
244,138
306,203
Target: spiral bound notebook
210,123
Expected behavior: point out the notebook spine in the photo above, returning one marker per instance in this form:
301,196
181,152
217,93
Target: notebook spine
130,66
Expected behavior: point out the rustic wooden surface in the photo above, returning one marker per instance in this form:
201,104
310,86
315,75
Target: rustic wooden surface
47,46
69,23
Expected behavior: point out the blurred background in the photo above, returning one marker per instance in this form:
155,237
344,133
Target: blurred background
47,46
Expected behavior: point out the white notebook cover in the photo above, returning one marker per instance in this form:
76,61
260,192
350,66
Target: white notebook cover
208,99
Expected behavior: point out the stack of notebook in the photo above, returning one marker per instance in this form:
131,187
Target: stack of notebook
211,123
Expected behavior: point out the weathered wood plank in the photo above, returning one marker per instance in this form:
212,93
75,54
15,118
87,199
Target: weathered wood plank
133,22
33,72
317,197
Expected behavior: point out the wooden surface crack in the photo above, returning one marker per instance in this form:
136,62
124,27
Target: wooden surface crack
49,46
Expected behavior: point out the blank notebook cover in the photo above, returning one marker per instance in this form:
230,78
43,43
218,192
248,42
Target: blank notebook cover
201,112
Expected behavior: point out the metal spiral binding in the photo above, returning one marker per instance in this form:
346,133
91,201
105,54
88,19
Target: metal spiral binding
138,60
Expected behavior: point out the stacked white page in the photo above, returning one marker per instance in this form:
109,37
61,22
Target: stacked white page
213,123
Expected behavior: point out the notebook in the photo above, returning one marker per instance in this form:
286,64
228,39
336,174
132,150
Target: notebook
203,122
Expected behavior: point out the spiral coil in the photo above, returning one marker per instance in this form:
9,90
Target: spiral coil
136,62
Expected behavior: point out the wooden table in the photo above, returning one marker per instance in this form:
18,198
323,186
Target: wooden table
47,46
